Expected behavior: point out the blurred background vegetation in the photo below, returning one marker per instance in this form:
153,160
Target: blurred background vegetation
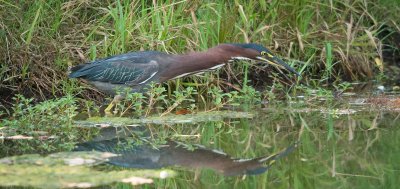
328,41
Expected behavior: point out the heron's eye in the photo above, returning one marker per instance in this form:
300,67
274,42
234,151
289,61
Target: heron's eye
265,53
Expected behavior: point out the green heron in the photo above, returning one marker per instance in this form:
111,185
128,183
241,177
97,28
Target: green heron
138,69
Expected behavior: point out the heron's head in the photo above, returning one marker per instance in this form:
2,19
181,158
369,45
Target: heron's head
253,51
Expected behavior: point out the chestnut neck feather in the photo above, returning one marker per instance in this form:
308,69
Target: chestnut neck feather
195,62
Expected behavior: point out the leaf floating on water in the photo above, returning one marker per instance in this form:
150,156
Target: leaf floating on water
137,180
327,111
19,137
24,137
79,185
182,112
79,161
387,103
339,111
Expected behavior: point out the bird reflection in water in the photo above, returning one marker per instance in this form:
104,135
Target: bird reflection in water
175,153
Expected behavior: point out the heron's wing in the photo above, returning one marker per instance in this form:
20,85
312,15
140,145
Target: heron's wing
131,68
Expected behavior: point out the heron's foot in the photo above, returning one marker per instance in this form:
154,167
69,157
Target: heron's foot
108,111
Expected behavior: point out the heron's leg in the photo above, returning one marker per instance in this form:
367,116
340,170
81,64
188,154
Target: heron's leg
107,111
113,103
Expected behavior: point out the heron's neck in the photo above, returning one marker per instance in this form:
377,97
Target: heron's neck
194,63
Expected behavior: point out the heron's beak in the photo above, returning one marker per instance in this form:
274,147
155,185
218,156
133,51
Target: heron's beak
273,60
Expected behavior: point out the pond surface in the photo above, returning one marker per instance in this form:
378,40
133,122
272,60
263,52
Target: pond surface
310,142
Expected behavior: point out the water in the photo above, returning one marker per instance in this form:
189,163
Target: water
346,142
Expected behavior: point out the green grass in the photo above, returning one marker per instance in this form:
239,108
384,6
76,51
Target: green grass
329,36
49,123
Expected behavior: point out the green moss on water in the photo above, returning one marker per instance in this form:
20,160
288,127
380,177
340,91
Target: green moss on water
63,176
68,170
60,158
169,119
